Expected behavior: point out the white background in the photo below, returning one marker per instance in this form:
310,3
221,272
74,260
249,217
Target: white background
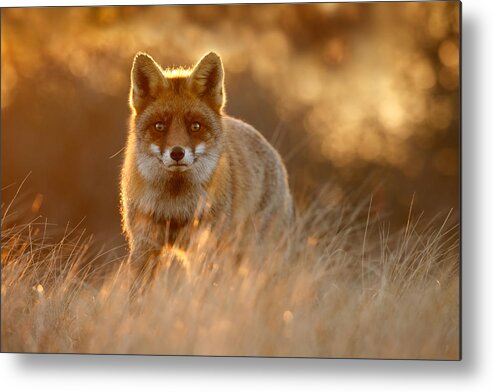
473,373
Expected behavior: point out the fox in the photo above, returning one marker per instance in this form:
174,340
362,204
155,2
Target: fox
186,160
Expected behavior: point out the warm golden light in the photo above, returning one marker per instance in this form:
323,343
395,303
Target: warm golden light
361,101
287,316
372,86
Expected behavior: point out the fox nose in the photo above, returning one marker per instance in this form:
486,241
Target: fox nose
177,153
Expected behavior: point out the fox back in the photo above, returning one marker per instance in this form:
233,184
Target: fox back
186,161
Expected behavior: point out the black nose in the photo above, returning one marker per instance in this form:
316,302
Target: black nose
177,153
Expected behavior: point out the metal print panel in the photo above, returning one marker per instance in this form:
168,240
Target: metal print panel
273,180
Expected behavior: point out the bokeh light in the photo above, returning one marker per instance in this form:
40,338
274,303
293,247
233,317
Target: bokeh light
350,94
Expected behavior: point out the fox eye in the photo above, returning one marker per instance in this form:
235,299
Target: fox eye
195,126
159,126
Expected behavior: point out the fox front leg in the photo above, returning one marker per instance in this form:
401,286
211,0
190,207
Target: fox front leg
143,261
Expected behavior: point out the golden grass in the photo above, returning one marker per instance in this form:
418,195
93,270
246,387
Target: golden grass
340,286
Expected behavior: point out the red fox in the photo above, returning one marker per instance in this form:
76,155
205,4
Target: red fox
186,160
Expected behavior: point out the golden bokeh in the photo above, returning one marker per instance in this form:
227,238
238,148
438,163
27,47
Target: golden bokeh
346,92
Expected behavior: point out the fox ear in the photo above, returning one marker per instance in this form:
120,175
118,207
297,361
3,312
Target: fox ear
147,81
207,80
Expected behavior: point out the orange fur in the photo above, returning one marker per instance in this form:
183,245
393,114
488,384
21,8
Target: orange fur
229,175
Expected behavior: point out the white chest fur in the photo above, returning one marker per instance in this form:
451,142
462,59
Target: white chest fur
166,206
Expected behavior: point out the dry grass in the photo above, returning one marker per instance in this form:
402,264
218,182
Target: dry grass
341,286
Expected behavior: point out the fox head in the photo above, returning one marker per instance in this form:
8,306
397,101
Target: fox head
176,122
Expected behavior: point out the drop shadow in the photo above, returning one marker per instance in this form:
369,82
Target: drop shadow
210,366
470,183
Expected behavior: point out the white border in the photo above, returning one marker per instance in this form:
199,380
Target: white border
39,3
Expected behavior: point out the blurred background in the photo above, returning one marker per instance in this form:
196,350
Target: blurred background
361,98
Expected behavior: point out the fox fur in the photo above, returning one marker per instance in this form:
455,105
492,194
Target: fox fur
229,175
